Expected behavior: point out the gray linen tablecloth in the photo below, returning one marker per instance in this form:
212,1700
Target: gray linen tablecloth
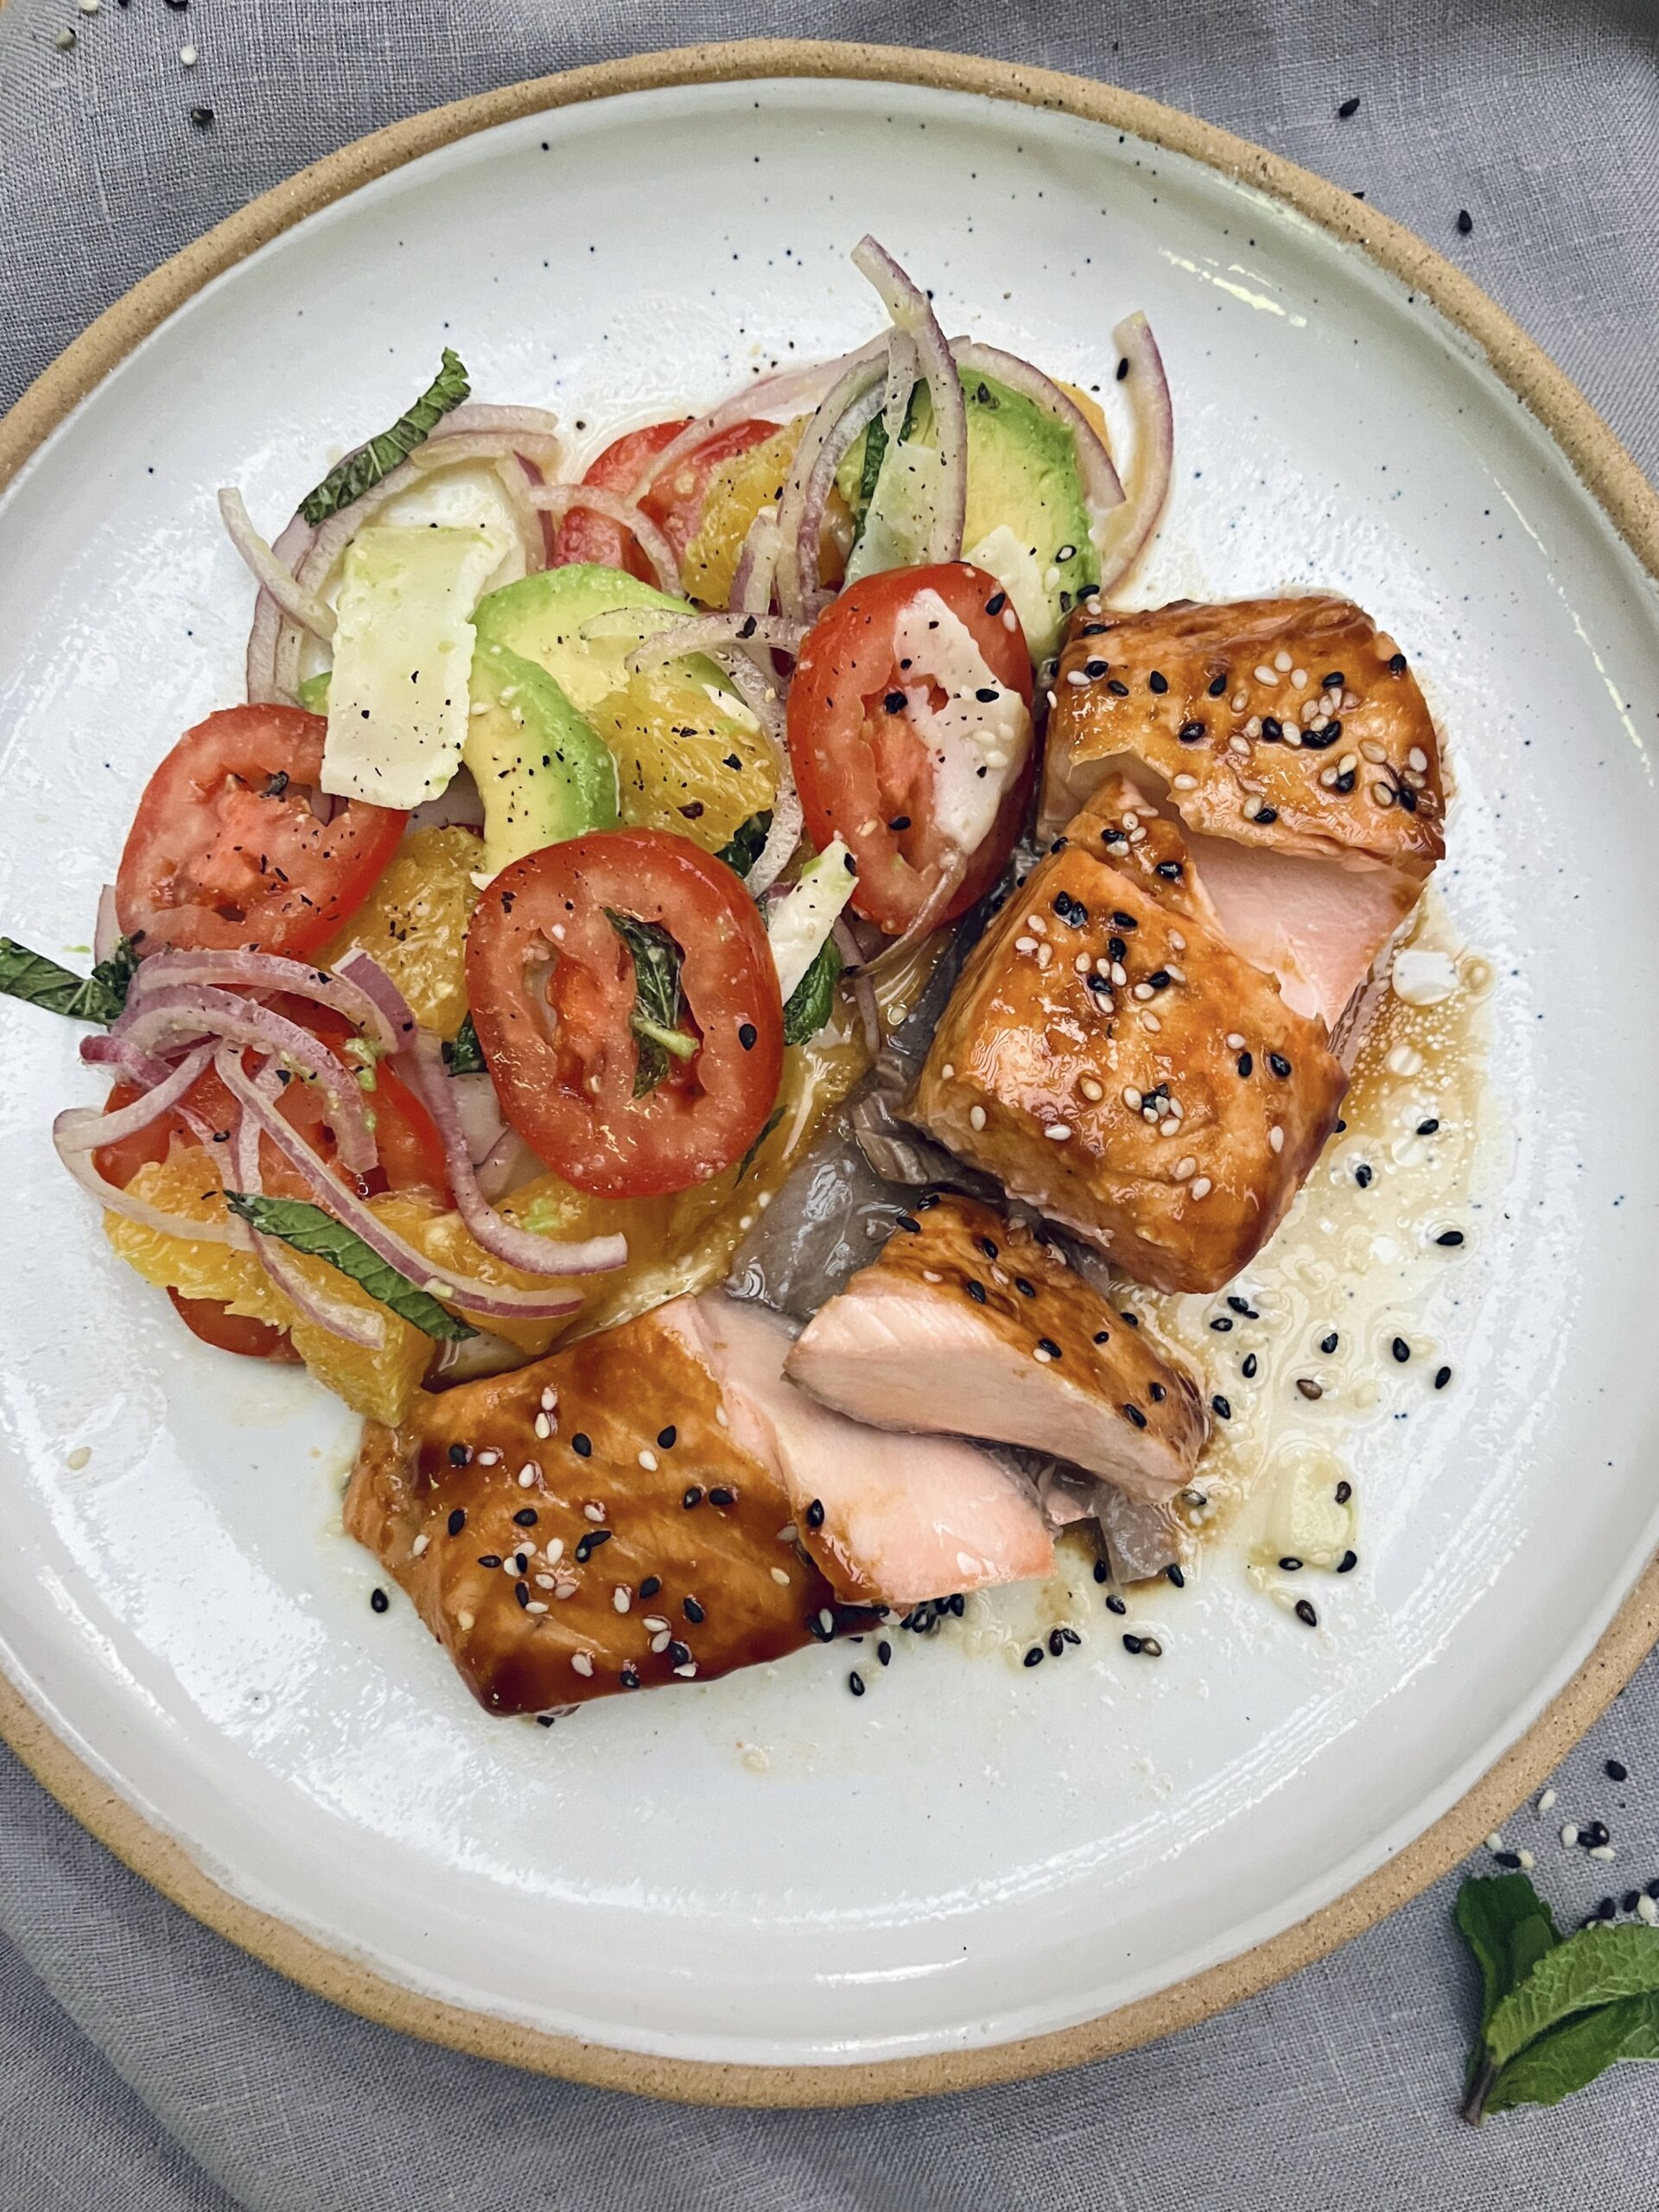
145,2064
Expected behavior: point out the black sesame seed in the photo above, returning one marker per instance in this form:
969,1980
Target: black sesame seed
1158,980
1245,1065
692,1496
1134,1415
1122,369
1132,1642
898,822
1157,681
1025,1290
1102,1336
855,1682
1217,684
719,1494
521,1591
457,1520
378,1600
1653,1890
1173,1574
1279,1064
1095,667
1220,1407
1363,1176
1450,1238
1401,1350
526,1516
1616,1770
1243,1308
1306,1614
1272,730
591,1542
668,1438
1466,222
1510,1859
1172,871
693,1612
895,702
1396,664
1328,1344
747,1034
884,1652
1056,1643
996,602
1442,1376
986,1246
582,1446
1101,1570
1347,1562
976,1291
987,694
202,117
1428,1128
908,1223
1593,1835
1220,1325
1121,690
1048,1344
1122,921
1034,1656
1116,1605
1130,1320
651,1586
1191,733
1267,814
1157,1393
1349,109
679,1655
629,1678
460,1454
814,1514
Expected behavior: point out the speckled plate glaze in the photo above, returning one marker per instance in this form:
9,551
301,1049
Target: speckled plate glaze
763,1887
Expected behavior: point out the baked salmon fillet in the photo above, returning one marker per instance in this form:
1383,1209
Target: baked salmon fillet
1291,740
1111,1059
968,1325
588,1524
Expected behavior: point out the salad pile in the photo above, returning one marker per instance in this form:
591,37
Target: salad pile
478,978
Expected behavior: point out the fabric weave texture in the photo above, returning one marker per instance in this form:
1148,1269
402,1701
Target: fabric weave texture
145,2065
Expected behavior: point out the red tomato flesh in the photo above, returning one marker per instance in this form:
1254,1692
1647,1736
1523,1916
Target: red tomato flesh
553,990
212,1320
862,771
674,504
227,852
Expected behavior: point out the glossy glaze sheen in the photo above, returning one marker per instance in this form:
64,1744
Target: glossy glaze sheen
975,1850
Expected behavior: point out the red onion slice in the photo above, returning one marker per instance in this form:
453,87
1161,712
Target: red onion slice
477,415
495,1301
864,371
507,1164
273,575
106,935
912,312
750,591
290,548
271,971
187,1009
337,1315
483,1125
834,450
770,399
1152,463
557,500
729,635
80,1131
1103,492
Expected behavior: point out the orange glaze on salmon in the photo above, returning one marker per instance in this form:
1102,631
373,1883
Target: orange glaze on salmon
891,1520
968,1325
1296,746
1112,1060
587,1524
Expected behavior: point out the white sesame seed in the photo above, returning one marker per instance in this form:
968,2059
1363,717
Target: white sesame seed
648,1461
1495,1841
1073,675
89,7
1528,1862
1603,1851
948,1072
826,1620
1175,974
1265,675
1010,620
1234,1041
187,55
565,1589
1025,945
662,1638
1276,1138
1119,973
1646,1909
1373,751
419,1546
1418,759
1142,990
527,1474
1151,1113
976,1117
1252,728
594,1511
1058,1132
1239,701
1328,777
549,1399
720,1416
1132,1098
788,1532
544,1426
555,1550
932,1274
622,1598
1185,783
63,40
581,1662
464,1622
1036,924
489,1459
1041,1356
1090,1090
654,1622
1080,965
1179,943
1382,794
1298,676
1546,1801
1202,1187
1282,661
688,1670
1184,1166
1570,1835
1172,1127
545,1582
779,1575
1150,1022
1045,954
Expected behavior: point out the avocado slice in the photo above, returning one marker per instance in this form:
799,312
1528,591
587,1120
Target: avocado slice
541,617
541,772
1027,523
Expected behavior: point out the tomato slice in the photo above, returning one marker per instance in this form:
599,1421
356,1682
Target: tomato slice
676,505
863,770
226,851
212,1320
585,536
553,986
411,1151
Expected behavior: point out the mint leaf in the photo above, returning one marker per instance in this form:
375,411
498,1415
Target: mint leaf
317,1234
361,471
655,1020
463,1054
1598,1966
40,981
813,998
748,1158
1508,1927
1571,2057
744,850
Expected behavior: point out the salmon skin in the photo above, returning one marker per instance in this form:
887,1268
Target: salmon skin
515,1510
1113,1061
968,1324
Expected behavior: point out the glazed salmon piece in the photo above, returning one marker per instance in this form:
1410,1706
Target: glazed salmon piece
587,1524
1292,741
1114,1062
968,1325
891,1520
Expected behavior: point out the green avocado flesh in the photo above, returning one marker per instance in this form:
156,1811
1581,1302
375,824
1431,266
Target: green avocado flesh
542,618
1026,524
542,773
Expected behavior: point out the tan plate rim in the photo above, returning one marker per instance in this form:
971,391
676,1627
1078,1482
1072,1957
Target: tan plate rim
1612,479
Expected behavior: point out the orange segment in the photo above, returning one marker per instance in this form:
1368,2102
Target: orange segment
413,922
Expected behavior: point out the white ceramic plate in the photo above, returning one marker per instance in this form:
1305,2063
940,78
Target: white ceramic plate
765,1870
